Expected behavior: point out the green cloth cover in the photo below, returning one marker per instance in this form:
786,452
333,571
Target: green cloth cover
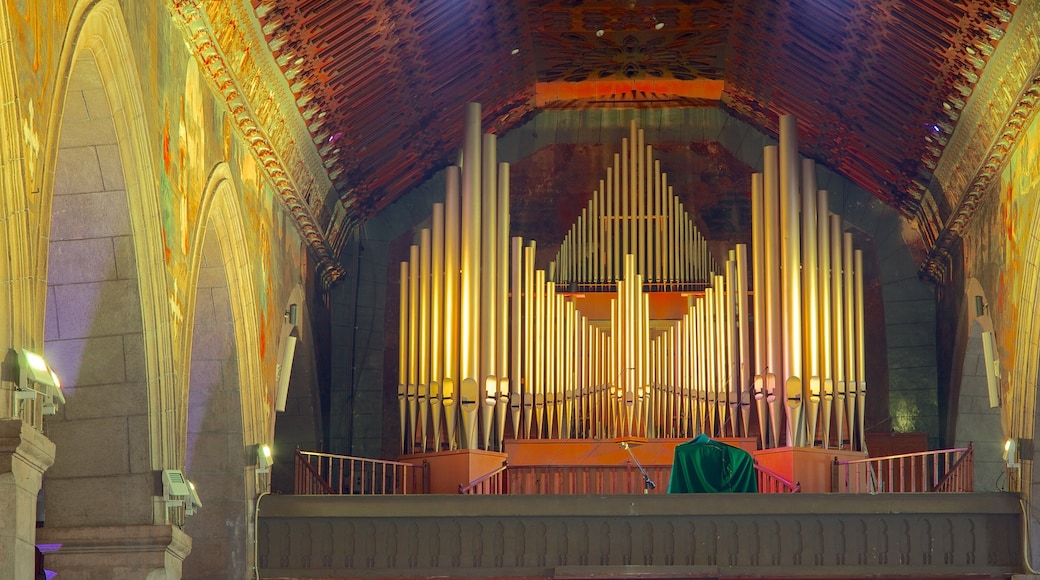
706,466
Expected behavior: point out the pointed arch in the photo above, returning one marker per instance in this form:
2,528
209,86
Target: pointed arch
97,27
220,208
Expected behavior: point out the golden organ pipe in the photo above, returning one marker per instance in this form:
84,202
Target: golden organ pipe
488,266
413,342
771,244
437,322
812,387
744,340
621,183
851,333
402,359
516,327
733,340
552,356
640,190
539,347
488,273
502,325
615,221
791,313
452,283
658,214
469,335
758,252
827,344
838,309
529,338
861,367
424,335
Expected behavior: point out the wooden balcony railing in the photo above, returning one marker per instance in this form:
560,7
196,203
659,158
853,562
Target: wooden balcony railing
586,479
495,483
770,481
326,473
944,470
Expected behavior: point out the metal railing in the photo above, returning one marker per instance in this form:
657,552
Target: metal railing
327,473
944,470
493,483
770,481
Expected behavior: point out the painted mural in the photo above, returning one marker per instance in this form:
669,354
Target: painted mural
1000,249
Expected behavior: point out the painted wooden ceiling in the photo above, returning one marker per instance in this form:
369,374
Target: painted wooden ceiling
877,85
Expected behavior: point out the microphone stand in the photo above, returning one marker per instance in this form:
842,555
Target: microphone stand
648,483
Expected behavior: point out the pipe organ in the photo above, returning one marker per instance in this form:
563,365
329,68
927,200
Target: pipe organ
492,347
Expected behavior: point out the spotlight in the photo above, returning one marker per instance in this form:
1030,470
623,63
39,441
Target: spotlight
179,492
515,51
600,32
264,459
194,503
1011,453
36,377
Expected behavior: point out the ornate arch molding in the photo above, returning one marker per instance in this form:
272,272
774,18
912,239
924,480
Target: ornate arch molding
220,207
16,292
97,28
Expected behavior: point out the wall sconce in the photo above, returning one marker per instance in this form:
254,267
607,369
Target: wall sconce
1011,453
992,370
284,370
980,306
178,491
36,377
264,458
194,502
291,314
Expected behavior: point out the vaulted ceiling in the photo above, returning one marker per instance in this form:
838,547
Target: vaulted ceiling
878,86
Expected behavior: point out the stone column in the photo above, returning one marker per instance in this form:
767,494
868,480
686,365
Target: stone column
25,454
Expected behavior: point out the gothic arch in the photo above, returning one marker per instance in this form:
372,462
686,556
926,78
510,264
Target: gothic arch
220,208
97,27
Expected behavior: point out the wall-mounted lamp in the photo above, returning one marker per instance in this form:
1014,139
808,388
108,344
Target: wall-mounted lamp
992,370
264,458
179,492
194,502
36,377
291,314
284,370
980,306
1011,453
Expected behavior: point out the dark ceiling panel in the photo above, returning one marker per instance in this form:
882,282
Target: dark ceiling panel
876,85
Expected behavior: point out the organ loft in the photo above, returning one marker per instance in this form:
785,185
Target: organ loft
635,329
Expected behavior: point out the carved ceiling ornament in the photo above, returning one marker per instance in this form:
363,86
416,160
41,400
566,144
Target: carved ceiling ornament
1005,99
261,122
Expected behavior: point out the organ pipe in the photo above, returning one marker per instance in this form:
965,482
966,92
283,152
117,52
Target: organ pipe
791,317
851,332
469,335
812,386
861,367
413,341
403,353
838,311
488,275
452,283
825,326
436,322
423,391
